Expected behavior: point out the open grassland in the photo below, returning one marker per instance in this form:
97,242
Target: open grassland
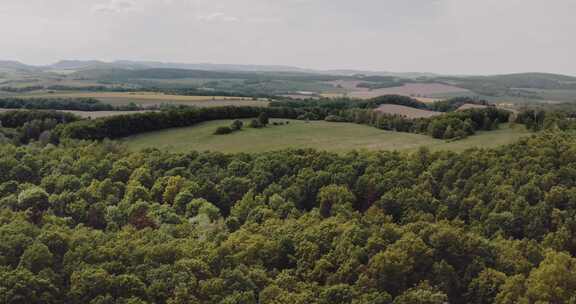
151,98
329,136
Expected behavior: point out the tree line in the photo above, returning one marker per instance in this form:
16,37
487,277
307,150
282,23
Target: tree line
22,127
73,104
454,125
125,125
111,86
451,125
334,104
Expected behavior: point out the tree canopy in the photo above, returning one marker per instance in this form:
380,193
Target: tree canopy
89,222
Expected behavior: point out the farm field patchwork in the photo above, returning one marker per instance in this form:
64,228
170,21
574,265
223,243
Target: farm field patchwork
329,136
88,114
151,99
422,90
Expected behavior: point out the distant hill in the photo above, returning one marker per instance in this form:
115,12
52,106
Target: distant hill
120,74
283,79
76,64
210,66
410,75
512,84
15,65
144,65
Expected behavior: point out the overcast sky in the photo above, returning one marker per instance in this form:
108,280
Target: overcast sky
443,36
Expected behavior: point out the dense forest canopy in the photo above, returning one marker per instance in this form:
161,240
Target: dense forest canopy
92,223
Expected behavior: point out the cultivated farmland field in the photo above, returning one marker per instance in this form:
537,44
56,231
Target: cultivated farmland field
406,111
329,136
88,114
422,90
153,99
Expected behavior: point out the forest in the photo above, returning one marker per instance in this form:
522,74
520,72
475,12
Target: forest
93,223
84,220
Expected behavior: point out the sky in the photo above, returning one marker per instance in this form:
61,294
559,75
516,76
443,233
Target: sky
440,36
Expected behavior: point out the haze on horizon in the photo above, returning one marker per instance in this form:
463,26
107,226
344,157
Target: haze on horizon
440,36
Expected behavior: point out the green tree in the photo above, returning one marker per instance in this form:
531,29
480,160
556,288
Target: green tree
422,294
335,199
263,119
237,125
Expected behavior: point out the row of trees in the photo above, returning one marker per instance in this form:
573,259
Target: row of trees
451,125
145,86
126,125
15,119
75,104
92,223
22,127
537,120
447,126
260,122
330,105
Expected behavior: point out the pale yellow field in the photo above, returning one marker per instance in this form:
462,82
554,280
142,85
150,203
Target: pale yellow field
136,95
88,114
152,98
427,99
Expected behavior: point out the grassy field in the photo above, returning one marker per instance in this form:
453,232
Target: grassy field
336,137
151,98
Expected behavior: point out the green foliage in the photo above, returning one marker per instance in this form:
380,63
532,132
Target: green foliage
75,104
92,223
237,125
263,118
255,123
223,131
455,125
125,125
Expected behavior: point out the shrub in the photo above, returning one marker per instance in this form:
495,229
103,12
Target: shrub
255,123
237,125
223,130
263,118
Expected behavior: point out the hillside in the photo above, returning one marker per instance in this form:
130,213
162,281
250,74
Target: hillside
287,80
512,84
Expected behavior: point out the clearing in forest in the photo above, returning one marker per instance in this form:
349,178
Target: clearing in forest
328,136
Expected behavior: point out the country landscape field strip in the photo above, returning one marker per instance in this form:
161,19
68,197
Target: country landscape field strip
337,137
149,99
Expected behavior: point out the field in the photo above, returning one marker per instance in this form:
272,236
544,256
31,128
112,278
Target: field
423,90
406,111
150,99
336,137
469,106
88,114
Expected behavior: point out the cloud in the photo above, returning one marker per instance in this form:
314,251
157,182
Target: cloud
217,17
114,6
